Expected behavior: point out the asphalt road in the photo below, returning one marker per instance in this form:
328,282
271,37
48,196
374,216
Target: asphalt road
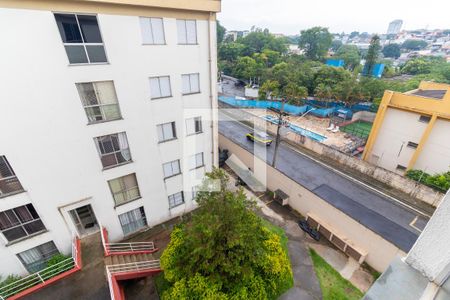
375,211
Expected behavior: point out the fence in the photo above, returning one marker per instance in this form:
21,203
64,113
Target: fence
125,248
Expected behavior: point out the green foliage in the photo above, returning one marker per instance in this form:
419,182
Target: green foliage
220,32
392,50
335,45
372,55
350,54
441,181
225,252
9,279
414,44
56,261
259,40
333,285
315,41
231,51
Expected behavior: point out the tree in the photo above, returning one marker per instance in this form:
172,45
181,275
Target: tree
350,55
335,45
246,68
418,66
258,40
414,45
323,92
220,32
295,94
230,51
391,50
225,251
315,42
372,55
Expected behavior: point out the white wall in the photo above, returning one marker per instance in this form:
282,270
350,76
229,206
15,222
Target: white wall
49,145
398,128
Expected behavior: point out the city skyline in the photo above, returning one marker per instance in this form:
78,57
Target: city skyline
291,17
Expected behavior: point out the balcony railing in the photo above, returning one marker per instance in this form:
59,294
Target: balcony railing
125,248
30,283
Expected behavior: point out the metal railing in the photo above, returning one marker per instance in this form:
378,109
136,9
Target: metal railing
42,276
134,267
116,248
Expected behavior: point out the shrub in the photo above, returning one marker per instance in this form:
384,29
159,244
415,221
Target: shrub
440,182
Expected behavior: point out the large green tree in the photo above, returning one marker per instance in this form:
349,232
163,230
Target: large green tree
315,42
220,32
391,50
225,251
350,55
372,55
414,44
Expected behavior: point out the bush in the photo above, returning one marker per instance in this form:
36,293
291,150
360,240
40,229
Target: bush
59,266
440,182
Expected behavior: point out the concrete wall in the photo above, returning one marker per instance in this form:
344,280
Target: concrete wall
51,148
251,93
380,252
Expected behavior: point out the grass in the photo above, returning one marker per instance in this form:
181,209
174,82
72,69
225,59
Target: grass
333,285
358,128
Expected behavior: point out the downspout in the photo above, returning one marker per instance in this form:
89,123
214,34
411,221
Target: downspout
212,97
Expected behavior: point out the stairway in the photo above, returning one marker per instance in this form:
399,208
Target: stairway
128,258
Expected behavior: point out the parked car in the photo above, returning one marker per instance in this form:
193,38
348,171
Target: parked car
259,137
311,231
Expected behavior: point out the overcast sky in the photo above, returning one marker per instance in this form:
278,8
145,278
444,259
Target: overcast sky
291,16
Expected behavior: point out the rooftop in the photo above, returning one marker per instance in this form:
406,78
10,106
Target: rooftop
435,94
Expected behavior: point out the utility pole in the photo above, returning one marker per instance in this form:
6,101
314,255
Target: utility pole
277,138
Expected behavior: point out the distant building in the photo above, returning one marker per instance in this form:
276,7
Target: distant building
424,273
411,130
394,27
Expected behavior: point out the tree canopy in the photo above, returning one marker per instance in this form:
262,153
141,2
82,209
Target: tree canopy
350,54
391,50
372,55
315,42
414,44
225,251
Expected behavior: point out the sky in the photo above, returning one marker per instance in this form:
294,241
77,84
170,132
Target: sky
291,16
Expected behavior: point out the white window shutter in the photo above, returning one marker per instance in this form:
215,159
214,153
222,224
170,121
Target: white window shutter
186,86
155,90
195,85
165,86
191,29
158,30
181,29
146,30
106,94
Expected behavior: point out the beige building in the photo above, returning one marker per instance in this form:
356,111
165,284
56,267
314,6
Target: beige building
412,130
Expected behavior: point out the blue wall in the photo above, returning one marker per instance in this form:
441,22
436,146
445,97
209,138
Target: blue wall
335,62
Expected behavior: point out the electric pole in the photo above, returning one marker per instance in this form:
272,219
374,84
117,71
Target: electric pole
277,138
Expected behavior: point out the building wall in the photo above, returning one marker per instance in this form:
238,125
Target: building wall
380,252
398,128
49,145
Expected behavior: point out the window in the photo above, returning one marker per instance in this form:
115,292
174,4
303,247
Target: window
196,161
160,87
176,199
401,168
124,189
412,145
20,222
99,101
171,168
424,119
133,221
193,125
113,149
187,32
152,30
35,259
191,84
81,37
9,184
166,132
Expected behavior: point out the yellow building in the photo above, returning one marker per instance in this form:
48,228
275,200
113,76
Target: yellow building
412,130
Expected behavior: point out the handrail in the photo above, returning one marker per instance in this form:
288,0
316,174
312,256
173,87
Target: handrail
121,248
44,275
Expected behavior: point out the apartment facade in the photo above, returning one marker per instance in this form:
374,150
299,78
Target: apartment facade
107,119
411,130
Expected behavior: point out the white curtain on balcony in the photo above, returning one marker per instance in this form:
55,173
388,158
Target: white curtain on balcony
123,143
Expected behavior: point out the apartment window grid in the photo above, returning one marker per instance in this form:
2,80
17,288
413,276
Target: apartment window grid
81,38
152,30
99,100
9,183
187,32
124,189
194,125
133,220
35,259
176,199
196,161
113,149
166,132
160,87
20,222
171,168
190,83
412,145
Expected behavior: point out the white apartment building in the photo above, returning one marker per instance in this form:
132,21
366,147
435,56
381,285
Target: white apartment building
106,111
394,27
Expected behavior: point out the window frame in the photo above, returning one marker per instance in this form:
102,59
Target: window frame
43,255
173,199
412,145
424,119
171,166
99,105
174,132
190,90
22,224
186,32
143,217
83,43
195,120
196,166
116,204
96,141
400,168
13,178
159,85
151,30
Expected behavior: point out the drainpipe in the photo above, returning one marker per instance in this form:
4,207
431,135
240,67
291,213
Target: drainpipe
212,91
